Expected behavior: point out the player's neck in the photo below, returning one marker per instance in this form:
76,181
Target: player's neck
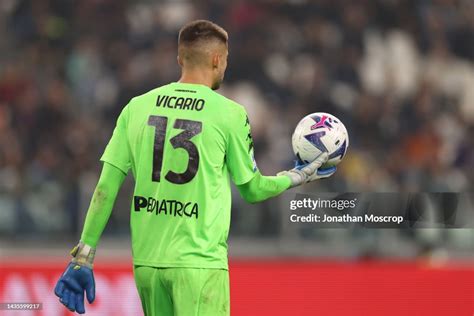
196,77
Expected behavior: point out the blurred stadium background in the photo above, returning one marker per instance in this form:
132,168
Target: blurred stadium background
399,74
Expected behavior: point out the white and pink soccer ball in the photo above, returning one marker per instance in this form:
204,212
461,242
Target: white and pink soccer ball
320,132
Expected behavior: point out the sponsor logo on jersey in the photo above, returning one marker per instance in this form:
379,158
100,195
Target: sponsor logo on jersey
166,207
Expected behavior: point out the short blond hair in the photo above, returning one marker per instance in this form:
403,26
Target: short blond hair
199,30
196,39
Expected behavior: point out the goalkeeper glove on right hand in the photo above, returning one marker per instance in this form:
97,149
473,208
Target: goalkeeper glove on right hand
304,173
77,278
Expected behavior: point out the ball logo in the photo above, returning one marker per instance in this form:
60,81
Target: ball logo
321,122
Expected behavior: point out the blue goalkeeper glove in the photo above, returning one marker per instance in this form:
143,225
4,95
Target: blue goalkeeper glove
304,173
77,278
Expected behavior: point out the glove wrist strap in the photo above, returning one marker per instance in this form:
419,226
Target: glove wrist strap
297,177
83,255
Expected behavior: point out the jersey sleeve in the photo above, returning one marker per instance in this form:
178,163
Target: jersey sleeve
117,152
240,152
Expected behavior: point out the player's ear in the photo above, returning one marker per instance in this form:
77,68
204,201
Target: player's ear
180,61
215,60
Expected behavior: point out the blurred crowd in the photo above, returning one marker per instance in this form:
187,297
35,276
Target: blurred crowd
399,74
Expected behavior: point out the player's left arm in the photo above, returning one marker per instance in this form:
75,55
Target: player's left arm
252,185
263,187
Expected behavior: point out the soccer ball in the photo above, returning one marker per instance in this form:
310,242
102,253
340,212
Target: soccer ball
320,132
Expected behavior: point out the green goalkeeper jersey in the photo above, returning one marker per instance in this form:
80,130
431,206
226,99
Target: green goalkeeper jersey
182,142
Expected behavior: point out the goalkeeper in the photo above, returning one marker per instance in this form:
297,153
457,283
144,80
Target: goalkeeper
182,142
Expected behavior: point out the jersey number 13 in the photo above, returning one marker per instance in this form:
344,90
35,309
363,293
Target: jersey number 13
182,140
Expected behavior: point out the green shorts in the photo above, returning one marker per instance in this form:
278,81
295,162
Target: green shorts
183,291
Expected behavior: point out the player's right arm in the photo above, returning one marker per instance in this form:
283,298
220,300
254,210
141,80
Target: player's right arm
78,276
101,205
252,185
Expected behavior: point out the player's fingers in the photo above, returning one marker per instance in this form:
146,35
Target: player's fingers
80,303
59,288
326,172
72,302
65,297
315,164
322,158
299,164
90,291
